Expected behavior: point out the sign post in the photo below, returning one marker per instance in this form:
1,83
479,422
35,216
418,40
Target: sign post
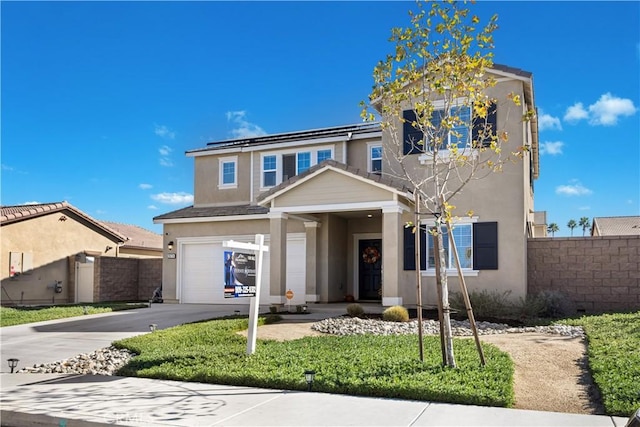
254,305
289,295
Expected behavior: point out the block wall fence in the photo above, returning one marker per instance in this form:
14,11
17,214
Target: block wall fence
596,273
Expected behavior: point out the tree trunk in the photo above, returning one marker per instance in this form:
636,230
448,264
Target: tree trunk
441,272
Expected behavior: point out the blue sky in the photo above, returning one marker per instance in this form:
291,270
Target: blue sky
100,100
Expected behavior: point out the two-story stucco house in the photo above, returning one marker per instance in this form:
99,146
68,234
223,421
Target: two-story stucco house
334,220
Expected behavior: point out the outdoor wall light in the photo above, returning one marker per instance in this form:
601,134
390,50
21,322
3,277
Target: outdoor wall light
309,376
13,363
153,327
170,245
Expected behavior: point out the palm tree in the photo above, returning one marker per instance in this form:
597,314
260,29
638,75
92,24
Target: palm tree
572,224
584,223
552,228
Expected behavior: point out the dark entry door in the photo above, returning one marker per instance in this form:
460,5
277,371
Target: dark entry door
370,269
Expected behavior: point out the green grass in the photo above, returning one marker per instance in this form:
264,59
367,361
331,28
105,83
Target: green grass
614,359
382,366
17,316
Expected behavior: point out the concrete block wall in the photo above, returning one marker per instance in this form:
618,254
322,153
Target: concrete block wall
149,277
596,273
117,279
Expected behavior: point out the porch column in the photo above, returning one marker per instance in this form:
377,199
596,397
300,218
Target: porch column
391,254
278,257
311,267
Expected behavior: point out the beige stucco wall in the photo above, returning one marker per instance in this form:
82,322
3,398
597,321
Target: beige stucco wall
207,176
331,187
505,197
51,242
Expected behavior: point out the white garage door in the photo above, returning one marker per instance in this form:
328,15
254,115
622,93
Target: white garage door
201,270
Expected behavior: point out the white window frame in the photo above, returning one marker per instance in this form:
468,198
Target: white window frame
298,154
313,160
451,271
263,170
221,162
370,158
317,154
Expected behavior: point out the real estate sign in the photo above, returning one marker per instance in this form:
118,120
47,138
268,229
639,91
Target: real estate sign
239,274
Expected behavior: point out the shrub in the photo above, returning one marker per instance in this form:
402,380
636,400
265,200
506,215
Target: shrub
397,313
484,303
355,310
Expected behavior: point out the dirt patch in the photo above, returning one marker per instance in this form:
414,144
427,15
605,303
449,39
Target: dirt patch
550,370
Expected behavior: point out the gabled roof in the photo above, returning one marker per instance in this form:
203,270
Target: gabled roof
11,214
616,226
391,184
138,237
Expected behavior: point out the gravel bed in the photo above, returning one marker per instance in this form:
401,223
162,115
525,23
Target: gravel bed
107,361
357,326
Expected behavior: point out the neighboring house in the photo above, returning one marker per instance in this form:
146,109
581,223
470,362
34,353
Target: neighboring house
48,252
141,243
616,226
334,219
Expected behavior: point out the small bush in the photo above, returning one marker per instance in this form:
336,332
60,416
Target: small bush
397,313
556,304
355,310
484,303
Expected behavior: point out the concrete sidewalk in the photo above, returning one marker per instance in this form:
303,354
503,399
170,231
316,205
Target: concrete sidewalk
83,400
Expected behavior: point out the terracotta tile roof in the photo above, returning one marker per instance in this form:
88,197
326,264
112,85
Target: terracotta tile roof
11,214
393,183
138,236
617,226
213,211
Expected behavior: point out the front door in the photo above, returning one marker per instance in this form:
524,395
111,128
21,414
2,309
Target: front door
370,269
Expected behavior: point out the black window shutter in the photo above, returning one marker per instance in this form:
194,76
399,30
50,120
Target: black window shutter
410,249
485,246
480,123
411,135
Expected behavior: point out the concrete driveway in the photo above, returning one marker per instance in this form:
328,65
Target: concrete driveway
54,340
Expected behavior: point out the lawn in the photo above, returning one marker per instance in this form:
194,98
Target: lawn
614,359
17,316
382,366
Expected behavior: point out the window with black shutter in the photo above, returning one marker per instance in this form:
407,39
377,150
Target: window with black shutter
485,246
410,249
412,137
484,128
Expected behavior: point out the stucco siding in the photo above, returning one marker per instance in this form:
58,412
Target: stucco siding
51,241
207,177
332,187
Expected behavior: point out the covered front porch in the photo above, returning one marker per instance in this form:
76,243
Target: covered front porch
353,226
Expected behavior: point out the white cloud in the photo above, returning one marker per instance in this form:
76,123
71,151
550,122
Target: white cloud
6,167
604,112
152,207
32,203
166,162
552,148
165,152
144,186
164,132
575,188
244,128
576,112
181,198
584,208
609,108
547,121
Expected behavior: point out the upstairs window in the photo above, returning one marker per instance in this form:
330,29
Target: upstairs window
228,173
280,166
483,129
324,155
375,159
269,170
304,162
